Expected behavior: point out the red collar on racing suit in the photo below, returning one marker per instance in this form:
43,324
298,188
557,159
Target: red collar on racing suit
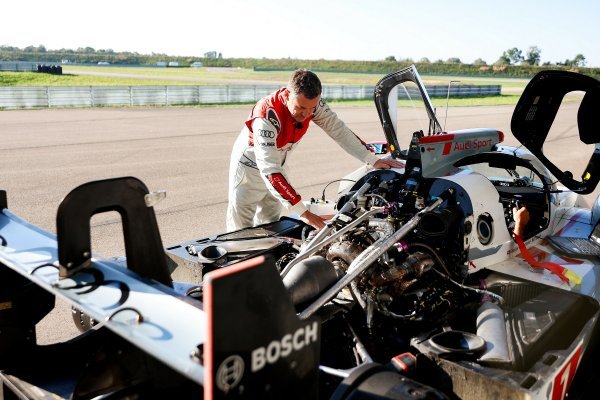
274,109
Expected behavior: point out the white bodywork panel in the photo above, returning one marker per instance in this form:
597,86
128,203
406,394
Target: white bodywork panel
171,329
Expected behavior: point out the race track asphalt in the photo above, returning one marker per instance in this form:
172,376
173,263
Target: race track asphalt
184,150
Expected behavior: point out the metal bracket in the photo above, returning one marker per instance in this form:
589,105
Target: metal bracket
143,245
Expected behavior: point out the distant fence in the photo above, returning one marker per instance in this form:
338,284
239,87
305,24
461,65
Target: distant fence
105,96
25,66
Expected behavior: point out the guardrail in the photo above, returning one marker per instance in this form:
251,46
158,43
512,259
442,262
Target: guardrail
26,66
106,96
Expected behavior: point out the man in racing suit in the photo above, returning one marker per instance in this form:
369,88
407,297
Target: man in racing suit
258,184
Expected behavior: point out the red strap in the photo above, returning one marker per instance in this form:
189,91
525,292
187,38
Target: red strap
556,269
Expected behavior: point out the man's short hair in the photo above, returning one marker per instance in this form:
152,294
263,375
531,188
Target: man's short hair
305,82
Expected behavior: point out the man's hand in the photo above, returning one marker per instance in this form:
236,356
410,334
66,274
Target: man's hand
521,217
313,220
388,163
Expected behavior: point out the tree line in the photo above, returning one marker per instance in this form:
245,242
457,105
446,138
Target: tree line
533,56
513,56
512,62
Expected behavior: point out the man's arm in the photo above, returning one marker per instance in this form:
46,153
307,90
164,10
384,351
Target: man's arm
521,218
387,163
269,165
327,120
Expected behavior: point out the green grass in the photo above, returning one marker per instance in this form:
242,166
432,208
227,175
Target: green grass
74,75
505,99
35,79
223,75
234,74
476,80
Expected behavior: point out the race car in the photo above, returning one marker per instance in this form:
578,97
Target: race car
418,286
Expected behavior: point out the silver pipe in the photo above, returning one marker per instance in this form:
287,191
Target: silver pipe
374,251
370,255
382,225
309,251
359,193
342,373
356,295
350,226
322,234
378,224
249,244
360,347
349,206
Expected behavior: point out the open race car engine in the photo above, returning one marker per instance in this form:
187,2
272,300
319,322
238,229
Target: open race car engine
398,269
397,282
414,288
390,260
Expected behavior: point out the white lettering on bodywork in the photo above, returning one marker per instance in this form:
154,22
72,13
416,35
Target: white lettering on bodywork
278,349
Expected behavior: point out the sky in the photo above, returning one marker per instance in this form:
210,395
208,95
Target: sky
326,29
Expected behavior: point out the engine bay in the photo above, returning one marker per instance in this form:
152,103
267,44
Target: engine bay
391,274
415,288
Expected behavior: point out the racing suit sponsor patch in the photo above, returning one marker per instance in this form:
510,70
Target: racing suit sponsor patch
266,134
322,105
248,162
273,119
284,188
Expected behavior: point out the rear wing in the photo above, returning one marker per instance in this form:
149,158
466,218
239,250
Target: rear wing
537,109
243,340
150,315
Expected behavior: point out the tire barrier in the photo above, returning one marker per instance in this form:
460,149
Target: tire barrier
50,69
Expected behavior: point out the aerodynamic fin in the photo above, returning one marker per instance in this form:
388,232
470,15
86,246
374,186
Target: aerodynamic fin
537,110
256,345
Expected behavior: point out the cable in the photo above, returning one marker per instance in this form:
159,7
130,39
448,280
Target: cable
499,298
387,203
337,180
443,265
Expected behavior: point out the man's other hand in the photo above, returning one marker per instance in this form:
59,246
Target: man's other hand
313,220
521,217
388,163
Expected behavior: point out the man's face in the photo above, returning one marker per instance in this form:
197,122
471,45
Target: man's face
300,107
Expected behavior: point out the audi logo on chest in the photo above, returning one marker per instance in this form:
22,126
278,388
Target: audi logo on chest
266,133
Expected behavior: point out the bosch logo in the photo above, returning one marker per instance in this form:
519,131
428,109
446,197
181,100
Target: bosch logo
266,134
230,373
278,349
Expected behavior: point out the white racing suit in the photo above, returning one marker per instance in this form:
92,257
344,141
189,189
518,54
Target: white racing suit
258,184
